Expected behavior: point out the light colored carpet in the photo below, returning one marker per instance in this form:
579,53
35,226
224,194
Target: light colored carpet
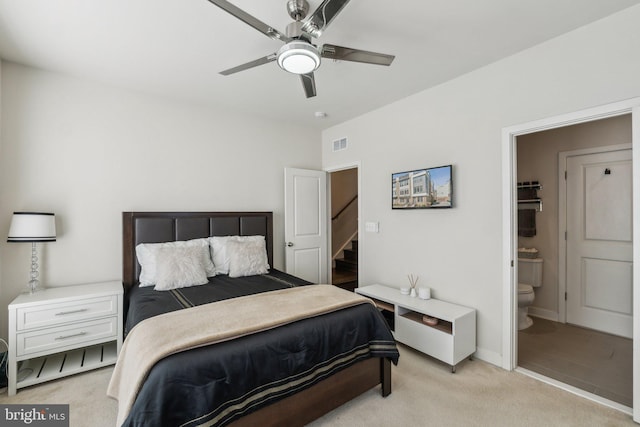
425,392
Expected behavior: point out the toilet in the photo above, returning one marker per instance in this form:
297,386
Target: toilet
529,277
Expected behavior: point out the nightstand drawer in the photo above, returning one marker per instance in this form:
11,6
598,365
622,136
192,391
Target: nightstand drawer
61,313
67,337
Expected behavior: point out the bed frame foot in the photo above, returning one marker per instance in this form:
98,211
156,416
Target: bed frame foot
385,375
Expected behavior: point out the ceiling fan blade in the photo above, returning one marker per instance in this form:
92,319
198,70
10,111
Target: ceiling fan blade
260,61
355,55
309,84
251,20
322,16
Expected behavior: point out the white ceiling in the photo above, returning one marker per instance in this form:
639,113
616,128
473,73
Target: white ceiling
176,48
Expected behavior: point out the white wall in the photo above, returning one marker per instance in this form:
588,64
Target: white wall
88,152
457,252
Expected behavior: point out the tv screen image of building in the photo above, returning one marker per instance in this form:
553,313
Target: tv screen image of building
422,188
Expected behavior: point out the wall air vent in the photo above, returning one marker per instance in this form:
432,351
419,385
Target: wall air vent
340,144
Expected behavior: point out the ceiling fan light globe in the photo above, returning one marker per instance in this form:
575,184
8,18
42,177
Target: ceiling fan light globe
298,57
298,64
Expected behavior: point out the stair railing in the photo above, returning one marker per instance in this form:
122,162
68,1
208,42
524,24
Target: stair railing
344,208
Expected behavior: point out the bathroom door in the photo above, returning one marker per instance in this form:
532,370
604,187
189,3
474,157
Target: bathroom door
599,241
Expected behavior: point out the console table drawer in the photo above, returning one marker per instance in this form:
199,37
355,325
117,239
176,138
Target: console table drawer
67,337
60,313
425,338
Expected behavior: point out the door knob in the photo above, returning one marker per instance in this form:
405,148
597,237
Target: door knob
289,244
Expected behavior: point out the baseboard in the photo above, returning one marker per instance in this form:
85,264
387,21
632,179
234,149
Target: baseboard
544,313
488,356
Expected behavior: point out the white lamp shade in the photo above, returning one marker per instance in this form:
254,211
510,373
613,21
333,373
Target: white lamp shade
32,227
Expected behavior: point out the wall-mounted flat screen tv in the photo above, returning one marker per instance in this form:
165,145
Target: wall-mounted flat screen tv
422,188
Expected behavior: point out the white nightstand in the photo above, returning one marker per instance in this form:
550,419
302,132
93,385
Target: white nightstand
62,331
451,340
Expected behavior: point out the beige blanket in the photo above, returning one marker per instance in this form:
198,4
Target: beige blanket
161,336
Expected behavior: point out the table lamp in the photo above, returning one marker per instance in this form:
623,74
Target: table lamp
33,227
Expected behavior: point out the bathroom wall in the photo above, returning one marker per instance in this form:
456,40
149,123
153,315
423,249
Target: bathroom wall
538,161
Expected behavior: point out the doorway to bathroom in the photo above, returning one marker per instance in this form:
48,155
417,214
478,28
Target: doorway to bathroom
582,318
521,143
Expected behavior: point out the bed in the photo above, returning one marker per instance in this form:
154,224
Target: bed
289,373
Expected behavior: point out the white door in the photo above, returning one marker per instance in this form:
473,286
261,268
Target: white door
599,242
305,224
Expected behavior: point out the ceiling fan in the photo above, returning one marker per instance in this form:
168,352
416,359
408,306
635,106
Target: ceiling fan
299,55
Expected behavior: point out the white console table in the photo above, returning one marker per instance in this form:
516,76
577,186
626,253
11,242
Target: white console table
451,340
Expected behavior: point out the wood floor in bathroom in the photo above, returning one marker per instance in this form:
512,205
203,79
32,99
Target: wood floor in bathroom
593,361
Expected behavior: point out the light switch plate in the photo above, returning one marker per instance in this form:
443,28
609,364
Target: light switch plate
371,227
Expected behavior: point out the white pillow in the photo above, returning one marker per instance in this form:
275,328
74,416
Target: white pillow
219,250
179,267
247,258
146,254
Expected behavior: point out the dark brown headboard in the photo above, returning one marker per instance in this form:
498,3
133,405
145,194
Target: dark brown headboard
157,227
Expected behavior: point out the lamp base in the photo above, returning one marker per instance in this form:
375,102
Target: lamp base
33,286
34,283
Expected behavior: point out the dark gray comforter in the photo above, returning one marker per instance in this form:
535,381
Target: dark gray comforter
216,384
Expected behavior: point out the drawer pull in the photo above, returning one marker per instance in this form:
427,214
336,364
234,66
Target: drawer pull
64,337
64,313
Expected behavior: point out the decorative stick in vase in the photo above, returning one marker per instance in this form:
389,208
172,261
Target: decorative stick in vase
413,282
